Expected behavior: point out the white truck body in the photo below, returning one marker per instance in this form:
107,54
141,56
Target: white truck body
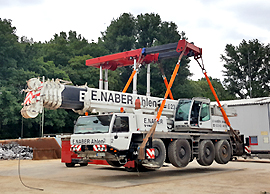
122,133
137,123
253,120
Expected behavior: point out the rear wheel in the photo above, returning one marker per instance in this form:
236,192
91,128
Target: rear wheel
114,163
223,152
83,164
206,153
70,164
137,168
179,152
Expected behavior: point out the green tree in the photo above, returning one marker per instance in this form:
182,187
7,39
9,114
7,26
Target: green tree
95,49
9,109
13,75
63,47
247,69
80,74
9,46
120,34
148,28
168,33
203,89
9,50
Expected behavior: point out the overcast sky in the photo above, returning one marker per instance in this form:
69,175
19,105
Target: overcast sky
210,24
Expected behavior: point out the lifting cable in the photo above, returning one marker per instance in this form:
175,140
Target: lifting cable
219,105
165,80
19,168
19,172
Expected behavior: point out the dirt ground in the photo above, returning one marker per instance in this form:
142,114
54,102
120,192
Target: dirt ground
53,177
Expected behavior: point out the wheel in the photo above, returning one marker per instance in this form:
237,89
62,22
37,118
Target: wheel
179,152
138,168
114,163
131,169
70,164
206,153
83,164
223,152
160,152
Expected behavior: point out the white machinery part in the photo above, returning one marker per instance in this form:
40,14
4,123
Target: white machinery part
145,122
54,94
111,101
215,110
41,95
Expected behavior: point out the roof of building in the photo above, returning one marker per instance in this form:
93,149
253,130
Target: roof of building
242,102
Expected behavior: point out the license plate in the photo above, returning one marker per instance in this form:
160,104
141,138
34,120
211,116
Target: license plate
100,154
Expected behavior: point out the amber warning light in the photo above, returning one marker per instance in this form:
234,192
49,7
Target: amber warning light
121,109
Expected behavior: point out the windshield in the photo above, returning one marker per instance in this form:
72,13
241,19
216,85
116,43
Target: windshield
93,124
182,110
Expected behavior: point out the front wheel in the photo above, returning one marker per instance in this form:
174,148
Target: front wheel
114,163
160,152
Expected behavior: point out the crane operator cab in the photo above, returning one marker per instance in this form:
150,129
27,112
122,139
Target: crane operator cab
192,114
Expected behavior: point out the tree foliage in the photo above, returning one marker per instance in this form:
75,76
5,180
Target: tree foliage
247,69
202,89
120,34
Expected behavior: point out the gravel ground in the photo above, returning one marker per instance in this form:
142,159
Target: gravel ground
53,177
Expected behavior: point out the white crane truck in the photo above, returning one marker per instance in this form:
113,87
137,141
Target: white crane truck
127,131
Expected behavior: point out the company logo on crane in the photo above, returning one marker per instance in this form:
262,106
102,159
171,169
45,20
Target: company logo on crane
122,98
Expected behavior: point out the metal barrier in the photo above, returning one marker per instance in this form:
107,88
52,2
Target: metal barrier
43,148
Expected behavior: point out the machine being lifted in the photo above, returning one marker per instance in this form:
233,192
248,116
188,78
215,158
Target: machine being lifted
138,131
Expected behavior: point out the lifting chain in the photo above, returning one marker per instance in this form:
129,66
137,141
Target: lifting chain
201,64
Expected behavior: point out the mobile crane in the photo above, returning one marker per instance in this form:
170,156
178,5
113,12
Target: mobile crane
138,131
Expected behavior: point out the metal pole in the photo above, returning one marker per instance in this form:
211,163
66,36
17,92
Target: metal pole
148,80
42,122
100,78
106,84
22,128
135,79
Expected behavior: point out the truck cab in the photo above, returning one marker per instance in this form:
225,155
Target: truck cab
112,136
109,129
193,114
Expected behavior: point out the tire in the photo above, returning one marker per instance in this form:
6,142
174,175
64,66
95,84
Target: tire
160,151
83,164
114,163
206,153
131,169
179,152
223,152
70,165
138,168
